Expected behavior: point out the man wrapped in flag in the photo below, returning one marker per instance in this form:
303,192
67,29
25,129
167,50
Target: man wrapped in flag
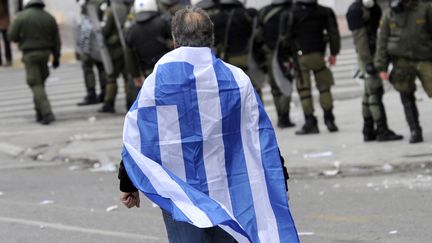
198,143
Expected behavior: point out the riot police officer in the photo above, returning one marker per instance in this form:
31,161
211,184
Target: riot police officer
310,27
89,56
115,18
37,34
405,40
148,39
265,41
233,30
363,18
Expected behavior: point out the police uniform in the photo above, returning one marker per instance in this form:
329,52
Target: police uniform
37,34
148,38
265,41
233,30
87,46
405,40
116,51
363,21
312,25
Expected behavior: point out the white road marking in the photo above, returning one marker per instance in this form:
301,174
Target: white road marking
62,227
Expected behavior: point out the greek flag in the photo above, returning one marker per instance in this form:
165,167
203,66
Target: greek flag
198,143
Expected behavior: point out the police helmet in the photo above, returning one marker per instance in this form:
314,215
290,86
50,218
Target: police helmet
281,1
27,3
168,2
145,6
306,1
368,3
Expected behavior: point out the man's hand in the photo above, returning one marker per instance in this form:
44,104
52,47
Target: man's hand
332,60
130,199
138,82
55,64
384,76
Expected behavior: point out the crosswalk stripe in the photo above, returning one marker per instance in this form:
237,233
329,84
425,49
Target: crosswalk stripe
65,87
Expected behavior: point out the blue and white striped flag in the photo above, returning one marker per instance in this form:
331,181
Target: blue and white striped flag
199,144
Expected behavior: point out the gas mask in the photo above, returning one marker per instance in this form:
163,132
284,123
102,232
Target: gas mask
396,5
368,3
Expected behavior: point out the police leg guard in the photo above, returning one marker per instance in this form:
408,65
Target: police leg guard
369,132
412,117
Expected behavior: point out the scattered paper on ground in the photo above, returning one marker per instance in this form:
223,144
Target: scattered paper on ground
306,233
44,202
318,155
112,208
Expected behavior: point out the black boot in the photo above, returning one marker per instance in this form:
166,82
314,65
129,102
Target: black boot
107,108
90,99
416,136
310,126
412,117
369,132
329,121
284,122
38,116
384,134
101,97
47,119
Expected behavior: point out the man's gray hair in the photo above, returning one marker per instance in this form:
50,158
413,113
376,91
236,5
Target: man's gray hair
192,27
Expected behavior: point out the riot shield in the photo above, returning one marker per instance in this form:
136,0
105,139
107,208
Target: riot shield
283,70
92,12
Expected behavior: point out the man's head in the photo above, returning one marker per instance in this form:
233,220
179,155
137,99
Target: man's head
28,3
192,27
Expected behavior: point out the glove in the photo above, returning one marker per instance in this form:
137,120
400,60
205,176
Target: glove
55,64
370,69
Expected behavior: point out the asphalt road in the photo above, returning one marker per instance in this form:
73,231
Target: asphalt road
69,203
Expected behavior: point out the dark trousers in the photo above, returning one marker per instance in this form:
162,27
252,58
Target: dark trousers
181,232
7,47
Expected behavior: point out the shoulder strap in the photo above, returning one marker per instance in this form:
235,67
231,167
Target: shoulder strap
271,13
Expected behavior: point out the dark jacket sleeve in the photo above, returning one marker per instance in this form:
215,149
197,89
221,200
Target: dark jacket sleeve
126,184
357,26
132,64
57,41
382,56
285,171
333,33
